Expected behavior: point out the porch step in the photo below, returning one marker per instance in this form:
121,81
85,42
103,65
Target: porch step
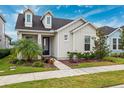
60,65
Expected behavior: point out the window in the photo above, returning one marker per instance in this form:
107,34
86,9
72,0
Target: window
119,44
28,18
87,43
48,20
65,37
114,43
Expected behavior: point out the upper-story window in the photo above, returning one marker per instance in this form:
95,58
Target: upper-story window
48,20
28,18
87,43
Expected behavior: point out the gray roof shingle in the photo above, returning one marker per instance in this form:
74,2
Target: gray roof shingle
106,29
38,25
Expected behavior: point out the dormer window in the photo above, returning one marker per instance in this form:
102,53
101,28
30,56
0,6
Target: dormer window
48,20
28,18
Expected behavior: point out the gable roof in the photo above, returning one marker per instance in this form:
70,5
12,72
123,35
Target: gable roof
38,25
48,12
107,30
1,16
28,9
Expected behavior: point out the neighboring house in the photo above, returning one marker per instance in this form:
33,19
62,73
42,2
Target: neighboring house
4,39
56,36
113,38
7,41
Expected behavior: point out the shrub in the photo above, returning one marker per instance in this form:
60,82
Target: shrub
101,48
87,55
70,55
4,52
38,64
118,55
79,55
20,62
14,61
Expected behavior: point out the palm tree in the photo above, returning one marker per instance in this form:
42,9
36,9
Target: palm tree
28,48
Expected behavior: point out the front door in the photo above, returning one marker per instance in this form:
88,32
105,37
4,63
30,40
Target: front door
45,45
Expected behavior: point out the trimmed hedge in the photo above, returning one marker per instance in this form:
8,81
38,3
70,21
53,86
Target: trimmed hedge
4,52
86,55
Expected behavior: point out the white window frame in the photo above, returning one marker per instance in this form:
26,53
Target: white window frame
67,37
85,43
28,15
48,17
117,43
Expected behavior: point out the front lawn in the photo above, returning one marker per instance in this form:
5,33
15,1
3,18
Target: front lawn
5,65
94,63
98,80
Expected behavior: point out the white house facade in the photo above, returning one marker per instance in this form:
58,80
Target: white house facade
56,36
5,40
113,38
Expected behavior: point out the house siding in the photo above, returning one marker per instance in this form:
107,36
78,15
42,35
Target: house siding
76,40
79,36
2,34
110,41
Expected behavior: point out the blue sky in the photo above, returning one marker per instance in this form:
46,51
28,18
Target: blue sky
98,15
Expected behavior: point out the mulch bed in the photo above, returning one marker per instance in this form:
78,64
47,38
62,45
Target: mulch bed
75,63
48,65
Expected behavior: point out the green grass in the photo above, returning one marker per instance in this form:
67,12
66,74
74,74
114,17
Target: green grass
104,79
93,64
108,61
115,60
4,66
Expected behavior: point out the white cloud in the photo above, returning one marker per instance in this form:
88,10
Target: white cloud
113,22
96,11
92,12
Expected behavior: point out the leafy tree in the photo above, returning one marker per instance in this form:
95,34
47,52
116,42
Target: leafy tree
122,40
101,49
28,48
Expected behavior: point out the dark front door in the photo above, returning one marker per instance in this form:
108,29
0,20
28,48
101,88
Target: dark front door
46,45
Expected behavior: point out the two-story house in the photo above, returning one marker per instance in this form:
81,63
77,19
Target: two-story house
56,36
5,40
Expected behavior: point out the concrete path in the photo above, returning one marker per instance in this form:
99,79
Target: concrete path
10,79
118,86
60,65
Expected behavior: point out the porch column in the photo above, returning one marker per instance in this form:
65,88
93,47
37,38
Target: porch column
39,42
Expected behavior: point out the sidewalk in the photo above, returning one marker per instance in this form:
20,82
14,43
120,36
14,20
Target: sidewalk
10,79
118,86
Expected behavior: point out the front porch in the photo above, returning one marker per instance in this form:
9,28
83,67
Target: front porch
45,40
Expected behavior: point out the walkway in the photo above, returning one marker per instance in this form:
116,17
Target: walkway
4,80
60,65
